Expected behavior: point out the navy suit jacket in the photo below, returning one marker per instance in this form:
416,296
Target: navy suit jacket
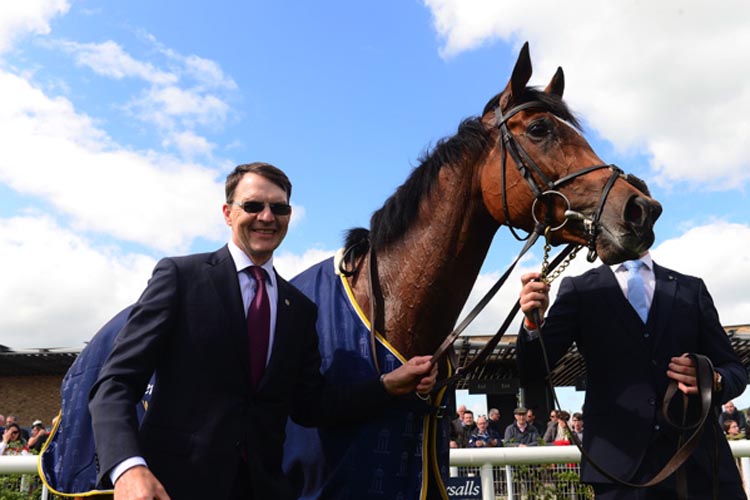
626,365
204,423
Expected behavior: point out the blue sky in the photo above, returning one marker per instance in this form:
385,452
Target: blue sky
121,119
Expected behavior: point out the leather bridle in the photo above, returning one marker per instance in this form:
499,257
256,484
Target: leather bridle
545,194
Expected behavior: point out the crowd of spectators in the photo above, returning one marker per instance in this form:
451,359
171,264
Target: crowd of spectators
525,430
17,440
528,430
733,422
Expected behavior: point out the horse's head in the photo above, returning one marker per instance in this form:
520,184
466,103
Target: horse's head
556,178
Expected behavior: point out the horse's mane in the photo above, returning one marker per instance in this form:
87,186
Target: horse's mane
394,218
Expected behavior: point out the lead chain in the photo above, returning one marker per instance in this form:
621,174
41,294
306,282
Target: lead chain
549,278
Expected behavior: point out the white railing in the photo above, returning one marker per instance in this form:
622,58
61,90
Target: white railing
483,458
487,458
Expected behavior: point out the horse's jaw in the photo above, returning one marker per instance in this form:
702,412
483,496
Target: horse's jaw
623,242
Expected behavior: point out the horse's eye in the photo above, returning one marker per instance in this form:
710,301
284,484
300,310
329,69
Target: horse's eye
538,129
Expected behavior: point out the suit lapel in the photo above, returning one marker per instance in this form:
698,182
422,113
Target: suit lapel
612,294
665,290
283,328
223,274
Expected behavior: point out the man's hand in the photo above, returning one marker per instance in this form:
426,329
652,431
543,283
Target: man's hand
139,483
534,296
682,371
417,374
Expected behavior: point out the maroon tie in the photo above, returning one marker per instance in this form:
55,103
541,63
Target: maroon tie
258,326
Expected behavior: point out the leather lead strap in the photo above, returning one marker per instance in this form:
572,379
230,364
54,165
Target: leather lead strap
705,379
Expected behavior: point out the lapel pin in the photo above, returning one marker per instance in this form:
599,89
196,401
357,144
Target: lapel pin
286,301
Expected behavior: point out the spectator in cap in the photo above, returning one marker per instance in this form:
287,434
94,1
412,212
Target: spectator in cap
520,433
38,437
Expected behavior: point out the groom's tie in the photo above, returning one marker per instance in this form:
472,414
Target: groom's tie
636,289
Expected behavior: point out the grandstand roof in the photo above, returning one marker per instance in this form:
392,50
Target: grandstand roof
500,365
570,371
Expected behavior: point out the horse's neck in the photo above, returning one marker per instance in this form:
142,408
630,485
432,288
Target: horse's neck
426,277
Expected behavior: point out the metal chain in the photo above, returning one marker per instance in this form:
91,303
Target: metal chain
549,278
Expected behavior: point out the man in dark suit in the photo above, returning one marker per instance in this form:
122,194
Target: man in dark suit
215,425
630,361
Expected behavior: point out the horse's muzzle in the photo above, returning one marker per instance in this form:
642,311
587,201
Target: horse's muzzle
641,213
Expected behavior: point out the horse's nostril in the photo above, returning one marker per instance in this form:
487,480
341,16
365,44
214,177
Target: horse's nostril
634,210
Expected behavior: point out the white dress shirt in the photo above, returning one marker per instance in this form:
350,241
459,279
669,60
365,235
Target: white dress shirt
646,272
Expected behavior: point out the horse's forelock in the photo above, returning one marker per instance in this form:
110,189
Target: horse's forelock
551,101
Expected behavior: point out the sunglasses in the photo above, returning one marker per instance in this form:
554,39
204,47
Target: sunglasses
254,207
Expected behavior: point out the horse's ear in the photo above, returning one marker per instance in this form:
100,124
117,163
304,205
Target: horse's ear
557,84
519,78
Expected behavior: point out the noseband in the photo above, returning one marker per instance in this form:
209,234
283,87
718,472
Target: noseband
550,189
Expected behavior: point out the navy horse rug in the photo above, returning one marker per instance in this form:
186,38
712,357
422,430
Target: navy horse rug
402,453
67,464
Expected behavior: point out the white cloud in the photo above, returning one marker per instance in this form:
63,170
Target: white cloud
290,265
150,198
719,254
18,18
178,100
170,107
207,72
189,144
669,78
109,59
58,289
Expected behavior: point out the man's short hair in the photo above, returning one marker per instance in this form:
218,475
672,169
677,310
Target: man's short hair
273,174
578,416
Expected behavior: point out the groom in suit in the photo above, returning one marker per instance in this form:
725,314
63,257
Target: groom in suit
631,358
233,348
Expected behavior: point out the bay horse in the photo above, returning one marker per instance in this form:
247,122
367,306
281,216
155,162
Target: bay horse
428,242
522,161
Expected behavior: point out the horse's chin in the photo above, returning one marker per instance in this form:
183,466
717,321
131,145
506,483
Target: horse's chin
613,249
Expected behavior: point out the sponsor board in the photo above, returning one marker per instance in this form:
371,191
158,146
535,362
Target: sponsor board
464,488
